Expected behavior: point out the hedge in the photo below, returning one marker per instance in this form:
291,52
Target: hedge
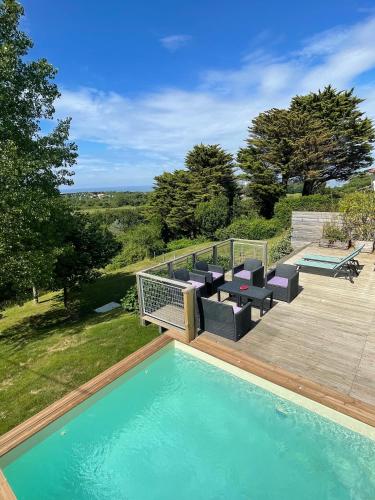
250,229
313,203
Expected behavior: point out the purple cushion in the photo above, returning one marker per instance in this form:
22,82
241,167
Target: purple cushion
196,284
278,281
236,309
246,275
216,275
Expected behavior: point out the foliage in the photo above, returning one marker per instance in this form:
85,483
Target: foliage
130,301
264,187
339,113
244,206
212,215
86,248
213,167
251,229
361,181
314,203
281,249
141,242
32,165
176,195
358,211
116,219
321,136
333,232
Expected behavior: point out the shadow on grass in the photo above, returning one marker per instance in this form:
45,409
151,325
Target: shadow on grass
70,321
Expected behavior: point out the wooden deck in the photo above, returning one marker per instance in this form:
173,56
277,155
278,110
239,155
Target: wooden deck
326,335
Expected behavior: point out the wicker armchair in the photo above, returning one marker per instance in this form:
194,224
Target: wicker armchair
226,320
250,272
198,281
213,273
283,281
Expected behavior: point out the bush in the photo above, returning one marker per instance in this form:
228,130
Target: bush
314,203
141,242
212,215
250,229
332,232
281,248
130,301
244,207
117,218
359,215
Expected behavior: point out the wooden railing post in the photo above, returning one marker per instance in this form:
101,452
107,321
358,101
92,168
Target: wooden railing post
189,313
140,299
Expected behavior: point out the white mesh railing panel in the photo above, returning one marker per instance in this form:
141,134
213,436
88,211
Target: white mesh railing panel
249,250
163,301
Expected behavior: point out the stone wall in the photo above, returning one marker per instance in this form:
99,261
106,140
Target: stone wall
307,227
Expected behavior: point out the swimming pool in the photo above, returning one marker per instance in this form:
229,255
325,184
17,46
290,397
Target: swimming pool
180,426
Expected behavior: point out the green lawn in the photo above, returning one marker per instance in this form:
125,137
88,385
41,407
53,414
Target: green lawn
46,352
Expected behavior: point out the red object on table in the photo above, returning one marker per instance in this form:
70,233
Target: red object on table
244,287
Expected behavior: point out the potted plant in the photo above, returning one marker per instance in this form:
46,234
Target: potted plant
334,236
358,211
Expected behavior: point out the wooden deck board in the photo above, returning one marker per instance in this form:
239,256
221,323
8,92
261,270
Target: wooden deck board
327,334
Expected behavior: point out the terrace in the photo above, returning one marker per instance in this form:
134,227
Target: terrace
326,335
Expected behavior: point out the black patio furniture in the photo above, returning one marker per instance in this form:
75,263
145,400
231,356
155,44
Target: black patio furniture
251,271
283,281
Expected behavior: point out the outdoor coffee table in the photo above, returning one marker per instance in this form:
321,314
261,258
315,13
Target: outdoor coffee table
255,294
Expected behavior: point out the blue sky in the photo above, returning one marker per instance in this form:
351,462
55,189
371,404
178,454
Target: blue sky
145,81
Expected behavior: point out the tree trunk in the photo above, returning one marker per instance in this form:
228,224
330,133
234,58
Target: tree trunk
35,294
65,289
308,188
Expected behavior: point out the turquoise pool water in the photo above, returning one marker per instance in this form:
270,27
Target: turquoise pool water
180,428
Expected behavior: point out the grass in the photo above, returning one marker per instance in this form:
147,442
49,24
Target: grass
47,351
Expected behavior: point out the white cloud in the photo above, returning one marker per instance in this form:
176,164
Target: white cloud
153,131
175,42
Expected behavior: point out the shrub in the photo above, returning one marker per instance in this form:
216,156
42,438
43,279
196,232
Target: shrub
251,229
141,242
130,301
244,207
359,215
314,203
333,232
212,215
281,248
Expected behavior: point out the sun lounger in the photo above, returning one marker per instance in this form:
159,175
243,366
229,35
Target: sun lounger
334,260
345,265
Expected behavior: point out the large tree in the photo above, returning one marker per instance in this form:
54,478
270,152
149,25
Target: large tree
209,175
32,165
352,131
321,137
214,171
85,247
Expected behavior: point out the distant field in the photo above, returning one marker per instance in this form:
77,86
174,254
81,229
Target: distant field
110,209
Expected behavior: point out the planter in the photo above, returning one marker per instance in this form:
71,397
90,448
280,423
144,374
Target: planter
342,245
368,248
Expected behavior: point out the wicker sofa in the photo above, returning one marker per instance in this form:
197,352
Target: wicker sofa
213,273
251,272
226,320
284,282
